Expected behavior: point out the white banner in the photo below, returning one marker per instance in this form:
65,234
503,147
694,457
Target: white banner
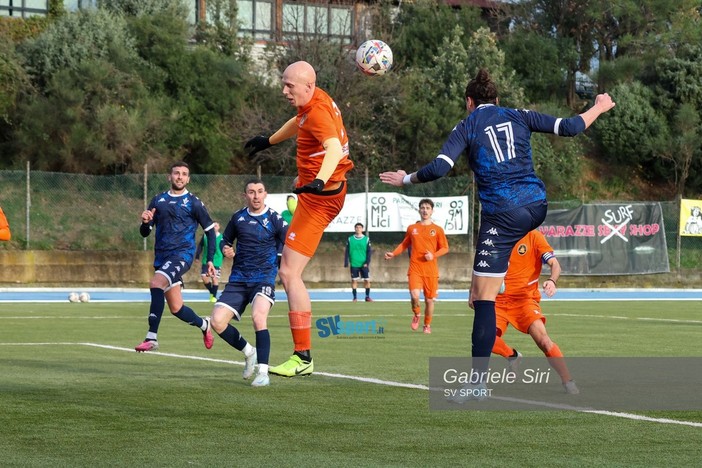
390,212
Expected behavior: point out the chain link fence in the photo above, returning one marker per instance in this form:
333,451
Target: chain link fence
59,211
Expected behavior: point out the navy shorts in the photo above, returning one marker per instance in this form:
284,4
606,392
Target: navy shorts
203,271
358,273
500,232
173,269
236,296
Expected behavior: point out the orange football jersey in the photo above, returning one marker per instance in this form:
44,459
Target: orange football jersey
525,262
318,121
420,239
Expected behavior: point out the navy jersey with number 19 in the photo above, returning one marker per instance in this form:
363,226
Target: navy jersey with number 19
498,140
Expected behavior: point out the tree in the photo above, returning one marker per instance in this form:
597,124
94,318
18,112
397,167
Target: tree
419,31
685,144
13,81
535,60
75,39
633,133
568,24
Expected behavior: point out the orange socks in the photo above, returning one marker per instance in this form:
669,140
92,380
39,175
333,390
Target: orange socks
501,348
555,351
301,328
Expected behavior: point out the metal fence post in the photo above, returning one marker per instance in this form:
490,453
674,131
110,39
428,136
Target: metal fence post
146,188
28,209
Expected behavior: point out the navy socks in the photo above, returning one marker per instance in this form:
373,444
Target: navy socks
156,309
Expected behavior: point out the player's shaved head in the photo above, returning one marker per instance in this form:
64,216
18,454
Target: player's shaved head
301,72
299,83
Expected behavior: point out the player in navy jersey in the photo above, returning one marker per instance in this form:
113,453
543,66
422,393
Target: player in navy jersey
176,215
513,199
259,233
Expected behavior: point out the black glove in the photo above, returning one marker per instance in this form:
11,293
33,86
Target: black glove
316,186
256,144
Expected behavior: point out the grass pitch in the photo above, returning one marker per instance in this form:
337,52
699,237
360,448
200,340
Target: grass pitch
73,392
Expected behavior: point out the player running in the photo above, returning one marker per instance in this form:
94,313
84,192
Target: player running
176,215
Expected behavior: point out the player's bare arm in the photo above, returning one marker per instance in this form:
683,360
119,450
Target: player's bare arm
399,178
550,284
603,103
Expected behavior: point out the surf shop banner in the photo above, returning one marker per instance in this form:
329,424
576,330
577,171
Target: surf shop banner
608,239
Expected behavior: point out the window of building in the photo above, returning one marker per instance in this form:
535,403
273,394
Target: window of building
314,20
23,8
73,5
256,18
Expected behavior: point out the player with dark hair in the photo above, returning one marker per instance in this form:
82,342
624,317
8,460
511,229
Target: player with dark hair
259,233
426,242
357,257
176,215
497,141
520,303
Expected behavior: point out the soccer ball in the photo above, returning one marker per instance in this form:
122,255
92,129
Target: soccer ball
73,297
84,297
374,57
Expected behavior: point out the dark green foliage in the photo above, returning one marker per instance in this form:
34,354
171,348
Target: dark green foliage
421,27
535,61
107,90
634,131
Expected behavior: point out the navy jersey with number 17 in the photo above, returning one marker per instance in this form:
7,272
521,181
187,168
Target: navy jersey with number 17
498,143
259,238
177,218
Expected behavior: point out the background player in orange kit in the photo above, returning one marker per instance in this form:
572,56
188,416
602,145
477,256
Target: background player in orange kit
519,304
427,242
5,234
322,164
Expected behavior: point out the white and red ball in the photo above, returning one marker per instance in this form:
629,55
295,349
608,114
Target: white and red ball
374,57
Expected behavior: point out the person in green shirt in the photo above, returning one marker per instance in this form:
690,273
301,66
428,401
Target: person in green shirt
211,282
291,204
358,257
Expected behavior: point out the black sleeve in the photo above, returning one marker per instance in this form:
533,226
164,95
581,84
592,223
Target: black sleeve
200,246
211,244
145,229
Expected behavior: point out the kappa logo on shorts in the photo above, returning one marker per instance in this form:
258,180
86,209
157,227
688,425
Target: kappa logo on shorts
492,232
484,253
483,264
489,242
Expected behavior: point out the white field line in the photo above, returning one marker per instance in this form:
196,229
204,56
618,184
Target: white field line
389,383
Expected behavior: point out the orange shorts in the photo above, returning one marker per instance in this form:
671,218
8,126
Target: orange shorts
312,216
520,313
429,284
